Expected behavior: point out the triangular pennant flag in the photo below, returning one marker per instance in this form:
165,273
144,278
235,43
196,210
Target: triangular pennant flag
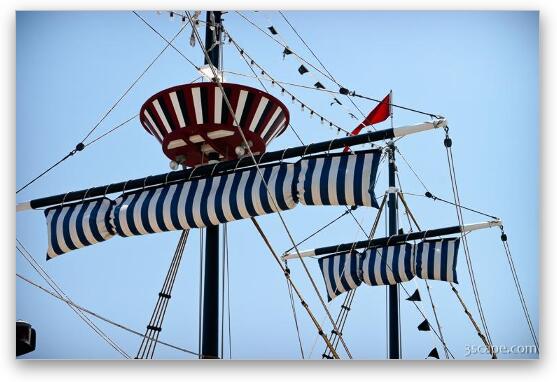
379,113
319,85
272,30
335,101
433,353
415,296
286,52
302,70
424,326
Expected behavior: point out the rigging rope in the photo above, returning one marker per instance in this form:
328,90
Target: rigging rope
96,315
293,306
282,88
149,342
200,314
346,306
343,89
225,286
454,186
45,276
272,199
411,218
318,60
81,145
519,289
298,293
309,72
261,83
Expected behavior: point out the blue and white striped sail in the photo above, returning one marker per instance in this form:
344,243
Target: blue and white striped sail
339,179
436,259
388,265
78,225
203,202
341,273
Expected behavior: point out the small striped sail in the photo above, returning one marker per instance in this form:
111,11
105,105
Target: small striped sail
339,179
390,265
436,259
77,225
341,273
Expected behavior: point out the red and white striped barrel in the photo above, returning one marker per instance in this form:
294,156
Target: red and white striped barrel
193,121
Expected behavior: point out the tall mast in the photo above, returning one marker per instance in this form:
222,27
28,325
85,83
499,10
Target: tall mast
210,326
393,293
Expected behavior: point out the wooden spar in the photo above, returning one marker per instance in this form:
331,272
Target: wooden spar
394,239
214,169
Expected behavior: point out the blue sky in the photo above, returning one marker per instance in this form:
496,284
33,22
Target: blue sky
478,69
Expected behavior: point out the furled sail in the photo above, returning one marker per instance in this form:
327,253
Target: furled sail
336,179
436,259
341,273
78,225
389,265
202,202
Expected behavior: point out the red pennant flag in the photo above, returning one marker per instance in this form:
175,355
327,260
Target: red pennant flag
380,113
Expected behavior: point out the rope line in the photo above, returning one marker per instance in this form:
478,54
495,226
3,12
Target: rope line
318,60
44,275
96,315
290,293
81,145
519,289
169,43
149,342
309,72
345,91
296,290
283,89
454,186
271,197
411,218
261,83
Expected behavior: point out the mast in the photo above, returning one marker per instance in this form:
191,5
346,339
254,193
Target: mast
210,325
392,290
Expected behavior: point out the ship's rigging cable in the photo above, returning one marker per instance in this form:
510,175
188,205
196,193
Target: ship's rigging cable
45,276
320,229
225,292
429,194
346,306
263,86
466,310
343,89
408,294
149,342
296,290
454,186
504,239
294,315
320,63
283,90
81,145
169,43
317,84
98,316
264,182
200,310
411,218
